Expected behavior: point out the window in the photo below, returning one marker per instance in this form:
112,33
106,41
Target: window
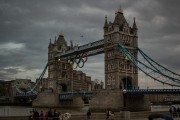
51,75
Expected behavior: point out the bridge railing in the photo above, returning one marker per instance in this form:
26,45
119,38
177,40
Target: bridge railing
86,47
153,91
70,95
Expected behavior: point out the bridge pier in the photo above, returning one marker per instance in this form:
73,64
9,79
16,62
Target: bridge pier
75,102
52,100
114,100
138,102
106,99
46,100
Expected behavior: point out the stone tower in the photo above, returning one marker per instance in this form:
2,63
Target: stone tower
120,73
59,70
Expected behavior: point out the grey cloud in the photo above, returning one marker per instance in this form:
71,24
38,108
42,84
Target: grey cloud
33,23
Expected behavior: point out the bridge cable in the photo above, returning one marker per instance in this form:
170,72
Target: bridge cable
130,57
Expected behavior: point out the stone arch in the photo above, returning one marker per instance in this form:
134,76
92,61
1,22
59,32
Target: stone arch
127,82
63,88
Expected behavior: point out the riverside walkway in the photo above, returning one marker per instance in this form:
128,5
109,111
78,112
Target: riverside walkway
99,116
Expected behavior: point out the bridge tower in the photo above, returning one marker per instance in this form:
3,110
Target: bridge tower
59,71
120,73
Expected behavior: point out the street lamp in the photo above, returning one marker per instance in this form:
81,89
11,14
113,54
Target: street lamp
124,96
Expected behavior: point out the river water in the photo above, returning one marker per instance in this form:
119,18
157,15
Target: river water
24,111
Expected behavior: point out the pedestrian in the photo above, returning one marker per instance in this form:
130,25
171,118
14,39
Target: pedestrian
55,115
111,117
41,115
50,115
46,116
88,115
31,115
107,114
36,115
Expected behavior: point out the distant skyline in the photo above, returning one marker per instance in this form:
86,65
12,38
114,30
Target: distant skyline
27,26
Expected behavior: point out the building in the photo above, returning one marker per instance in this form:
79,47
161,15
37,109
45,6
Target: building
5,91
120,73
9,90
61,76
97,85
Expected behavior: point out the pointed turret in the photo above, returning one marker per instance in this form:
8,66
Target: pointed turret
61,40
105,23
134,27
71,44
134,24
55,41
119,18
50,42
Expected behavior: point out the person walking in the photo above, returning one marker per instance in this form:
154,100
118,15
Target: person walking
107,114
88,115
111,117
41,115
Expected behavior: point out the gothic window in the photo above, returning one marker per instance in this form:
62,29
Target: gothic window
59,67
79,77
126,41
51,75
67,76
51,67
113,80
111,66
59,75
107,54
108,67
112,53
121,65
108,80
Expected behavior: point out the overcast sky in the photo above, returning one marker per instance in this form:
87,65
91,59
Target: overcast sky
27,25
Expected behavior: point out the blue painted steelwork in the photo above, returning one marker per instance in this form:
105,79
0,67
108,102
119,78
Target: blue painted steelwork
135,61
152,91
154,64
70,95
32,90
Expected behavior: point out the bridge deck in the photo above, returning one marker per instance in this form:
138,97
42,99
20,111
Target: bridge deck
152,91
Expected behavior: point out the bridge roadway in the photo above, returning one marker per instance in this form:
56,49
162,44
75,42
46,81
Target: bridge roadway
90,49
70,95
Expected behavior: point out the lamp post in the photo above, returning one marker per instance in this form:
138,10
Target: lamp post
126,59
124,97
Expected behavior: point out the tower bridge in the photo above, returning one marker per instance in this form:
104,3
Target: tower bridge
120,48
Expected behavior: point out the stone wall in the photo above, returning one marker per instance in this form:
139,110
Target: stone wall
103,99
138,102
52,100
76,102
46,100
